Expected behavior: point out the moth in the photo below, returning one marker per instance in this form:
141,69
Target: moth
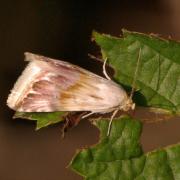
48,85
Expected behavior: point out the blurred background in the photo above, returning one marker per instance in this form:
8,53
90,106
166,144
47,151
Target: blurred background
62,29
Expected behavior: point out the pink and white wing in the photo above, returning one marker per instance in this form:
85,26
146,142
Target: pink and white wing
48,85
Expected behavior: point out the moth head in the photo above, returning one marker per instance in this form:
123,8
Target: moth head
128,105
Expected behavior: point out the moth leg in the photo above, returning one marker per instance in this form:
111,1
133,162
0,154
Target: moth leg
110,123
104,70
64,128
87,115
71,120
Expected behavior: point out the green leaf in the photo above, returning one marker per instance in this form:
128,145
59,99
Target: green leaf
119,156
43,118
158,78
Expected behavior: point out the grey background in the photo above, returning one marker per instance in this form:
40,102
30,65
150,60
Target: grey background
62,30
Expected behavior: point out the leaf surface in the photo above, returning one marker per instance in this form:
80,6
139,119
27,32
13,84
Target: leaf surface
158,78
119,156
43,118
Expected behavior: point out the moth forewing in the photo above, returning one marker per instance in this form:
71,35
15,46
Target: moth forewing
48,85
21,86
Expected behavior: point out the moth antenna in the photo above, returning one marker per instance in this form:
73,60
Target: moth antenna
87,115
135,74
104,69
94,57
110,123
104,65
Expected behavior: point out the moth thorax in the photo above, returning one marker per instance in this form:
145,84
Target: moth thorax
128,105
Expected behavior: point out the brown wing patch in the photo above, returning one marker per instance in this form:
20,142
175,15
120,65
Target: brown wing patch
79,92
